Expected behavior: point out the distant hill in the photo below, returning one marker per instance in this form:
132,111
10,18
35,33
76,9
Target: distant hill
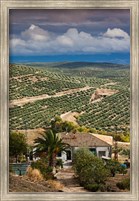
90,64
40,91
79,65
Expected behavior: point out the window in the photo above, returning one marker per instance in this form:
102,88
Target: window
59,154
102,153
93,150
68,154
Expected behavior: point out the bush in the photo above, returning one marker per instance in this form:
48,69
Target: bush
55,184
97,187
92,187
17,149
114,167
34,174
42,165
125,184
89,168
121,137
22,158
122,169
103,188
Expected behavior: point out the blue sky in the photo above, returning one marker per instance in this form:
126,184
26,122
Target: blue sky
96,35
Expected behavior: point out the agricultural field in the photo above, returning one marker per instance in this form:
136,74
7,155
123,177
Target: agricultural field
98,93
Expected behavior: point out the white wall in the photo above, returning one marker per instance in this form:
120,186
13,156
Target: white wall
64,155
106,149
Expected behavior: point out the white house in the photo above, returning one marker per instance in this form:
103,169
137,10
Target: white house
101,145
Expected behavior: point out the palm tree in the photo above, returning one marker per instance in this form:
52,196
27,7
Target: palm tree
50,144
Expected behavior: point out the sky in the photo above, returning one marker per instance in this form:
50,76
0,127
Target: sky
53,35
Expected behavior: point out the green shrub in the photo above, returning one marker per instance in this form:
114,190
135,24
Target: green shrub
125,184
122,170
89,168
92,187
17,149
103,187
114,167
42,165
120,185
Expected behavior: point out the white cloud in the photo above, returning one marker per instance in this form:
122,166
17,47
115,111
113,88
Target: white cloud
112,33
65,41
36,41
17,42
35,33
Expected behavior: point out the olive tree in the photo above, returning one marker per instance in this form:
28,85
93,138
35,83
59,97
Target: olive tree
17,144
89,167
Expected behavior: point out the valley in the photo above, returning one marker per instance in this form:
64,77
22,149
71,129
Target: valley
98,93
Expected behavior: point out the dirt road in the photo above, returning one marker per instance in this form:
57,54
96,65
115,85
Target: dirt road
25,100
67,177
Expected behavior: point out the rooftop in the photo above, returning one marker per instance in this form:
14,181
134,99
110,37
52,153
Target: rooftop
86,139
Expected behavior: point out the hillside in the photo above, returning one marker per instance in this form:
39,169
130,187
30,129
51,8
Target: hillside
98,93
24,184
